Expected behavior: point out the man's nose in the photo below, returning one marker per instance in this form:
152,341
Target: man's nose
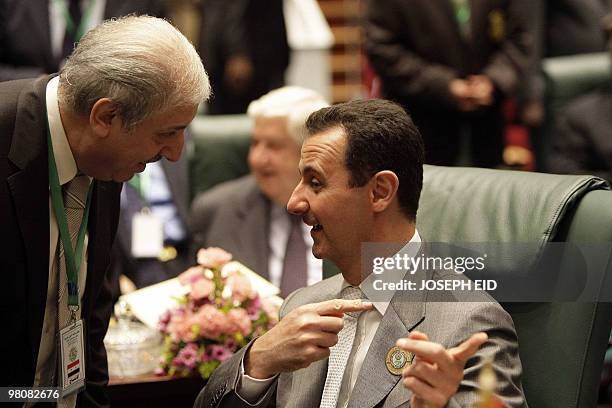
173,149
258,155
297,204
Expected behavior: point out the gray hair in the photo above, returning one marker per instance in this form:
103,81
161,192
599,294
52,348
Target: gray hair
291,102
141,63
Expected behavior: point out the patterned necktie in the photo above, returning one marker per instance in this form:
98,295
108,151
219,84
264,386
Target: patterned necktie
339,353
295,269
75,197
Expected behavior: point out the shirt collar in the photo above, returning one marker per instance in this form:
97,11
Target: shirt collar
64,160
410,250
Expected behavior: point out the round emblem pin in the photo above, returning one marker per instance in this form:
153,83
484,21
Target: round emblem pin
397,359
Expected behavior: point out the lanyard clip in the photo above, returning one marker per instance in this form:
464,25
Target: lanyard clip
73,311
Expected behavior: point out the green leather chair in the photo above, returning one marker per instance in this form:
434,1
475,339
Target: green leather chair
218,149
567,78
561,344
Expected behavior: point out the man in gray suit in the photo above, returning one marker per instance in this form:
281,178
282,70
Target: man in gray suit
361,167
248,216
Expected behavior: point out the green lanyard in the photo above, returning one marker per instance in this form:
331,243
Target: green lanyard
70,25
140,182
463,15
72,257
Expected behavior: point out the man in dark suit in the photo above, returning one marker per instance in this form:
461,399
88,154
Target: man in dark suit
582,142
65,144
362,170
248,216
33,38
450,63
245,51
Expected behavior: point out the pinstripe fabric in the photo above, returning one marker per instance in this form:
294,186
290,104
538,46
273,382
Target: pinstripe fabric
75,196
339,353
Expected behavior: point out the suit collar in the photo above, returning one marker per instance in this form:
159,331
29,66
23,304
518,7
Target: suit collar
253,214
29,189
404,314
253,197
27,144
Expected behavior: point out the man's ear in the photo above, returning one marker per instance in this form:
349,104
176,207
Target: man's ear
384,189
103,117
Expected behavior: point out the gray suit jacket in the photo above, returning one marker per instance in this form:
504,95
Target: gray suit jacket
235,216
443,319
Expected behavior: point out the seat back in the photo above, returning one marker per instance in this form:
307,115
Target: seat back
219,150
567,78
561,344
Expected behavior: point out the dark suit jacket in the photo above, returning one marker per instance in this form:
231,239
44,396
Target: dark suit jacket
251,28
443,319
235,216
24,253
582,142
416,48
145,272
25,39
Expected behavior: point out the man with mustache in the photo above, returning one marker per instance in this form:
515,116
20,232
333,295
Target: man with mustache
122,100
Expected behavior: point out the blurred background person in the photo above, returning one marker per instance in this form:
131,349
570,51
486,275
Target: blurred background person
561,28
37,35
244,47
450,64
159,196
248,216
582,142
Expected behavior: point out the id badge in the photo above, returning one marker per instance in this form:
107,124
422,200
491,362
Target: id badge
72,358
147,235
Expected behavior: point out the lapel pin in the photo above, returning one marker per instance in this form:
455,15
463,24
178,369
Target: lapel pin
397,359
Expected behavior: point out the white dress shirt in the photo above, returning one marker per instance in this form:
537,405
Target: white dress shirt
251,390
66,170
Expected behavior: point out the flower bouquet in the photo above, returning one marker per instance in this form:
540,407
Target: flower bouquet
220,314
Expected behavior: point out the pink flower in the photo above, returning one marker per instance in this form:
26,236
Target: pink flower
213,257
201,289
212,321
164,319
231,344
218,352
181,324
191,275
187,356
240,322
254,308
240,286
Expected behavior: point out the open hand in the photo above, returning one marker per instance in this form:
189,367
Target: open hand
435,373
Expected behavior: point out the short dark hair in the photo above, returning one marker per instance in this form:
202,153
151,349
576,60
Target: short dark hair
380,136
